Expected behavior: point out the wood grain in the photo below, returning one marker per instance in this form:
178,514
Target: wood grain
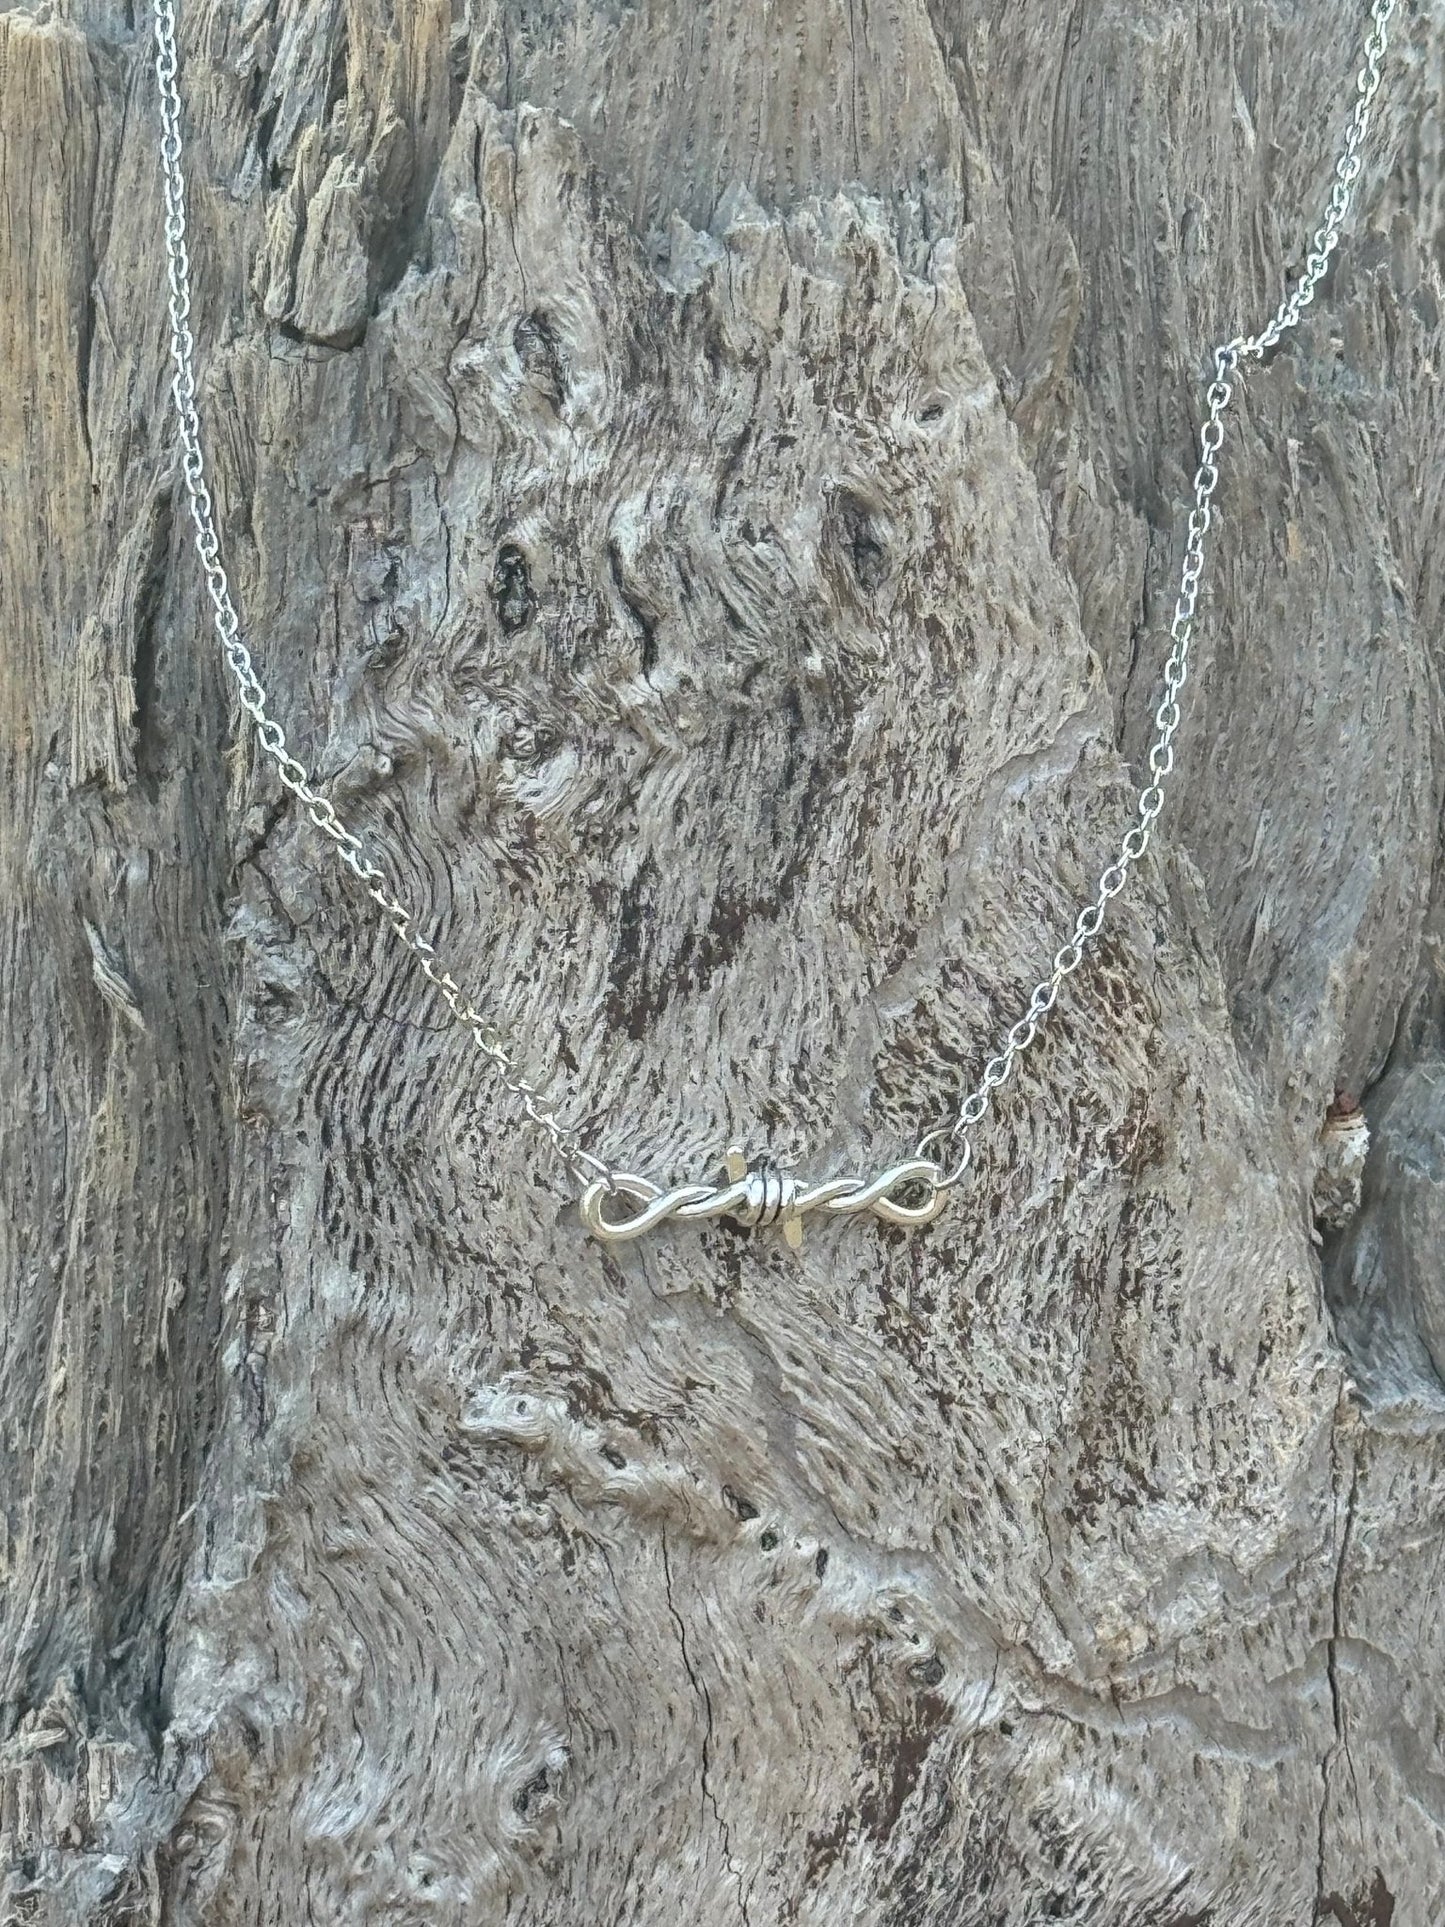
703,485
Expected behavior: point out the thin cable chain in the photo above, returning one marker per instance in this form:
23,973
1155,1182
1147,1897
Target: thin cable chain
348,848
1181,627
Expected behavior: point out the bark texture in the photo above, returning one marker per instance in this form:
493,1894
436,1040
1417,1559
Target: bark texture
703,485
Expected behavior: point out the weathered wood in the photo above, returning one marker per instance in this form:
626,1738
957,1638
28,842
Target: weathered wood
702,484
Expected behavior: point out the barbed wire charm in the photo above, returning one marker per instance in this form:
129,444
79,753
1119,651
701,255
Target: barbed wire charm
760,1193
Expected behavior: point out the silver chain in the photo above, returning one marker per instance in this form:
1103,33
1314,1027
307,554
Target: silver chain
348,847
602,1180
1181,626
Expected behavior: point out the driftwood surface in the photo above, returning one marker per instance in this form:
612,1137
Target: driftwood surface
704,484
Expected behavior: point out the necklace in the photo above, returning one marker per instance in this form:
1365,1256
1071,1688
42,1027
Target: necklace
618,1205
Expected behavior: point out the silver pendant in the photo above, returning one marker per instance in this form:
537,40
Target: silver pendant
760,1193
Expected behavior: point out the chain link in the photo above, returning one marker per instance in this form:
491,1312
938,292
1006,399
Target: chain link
583,1165
1326,238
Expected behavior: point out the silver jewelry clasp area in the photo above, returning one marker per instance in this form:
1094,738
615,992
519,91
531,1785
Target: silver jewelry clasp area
760,1192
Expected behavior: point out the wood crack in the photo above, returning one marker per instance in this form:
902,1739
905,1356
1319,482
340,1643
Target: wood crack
699,1686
